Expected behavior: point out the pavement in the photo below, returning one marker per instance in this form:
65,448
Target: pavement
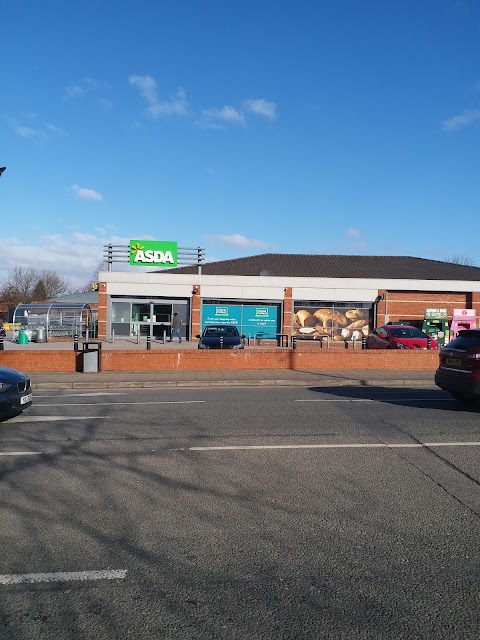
263,377
240,378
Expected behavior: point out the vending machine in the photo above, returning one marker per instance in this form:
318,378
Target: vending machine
435,325
462,319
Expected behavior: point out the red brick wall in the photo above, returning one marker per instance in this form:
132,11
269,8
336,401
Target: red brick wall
196,327
287,311
411,305
194,360
102,311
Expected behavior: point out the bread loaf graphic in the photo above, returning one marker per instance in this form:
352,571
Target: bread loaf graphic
304,318
330,318
357,314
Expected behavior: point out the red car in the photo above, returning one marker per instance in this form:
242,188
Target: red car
394,336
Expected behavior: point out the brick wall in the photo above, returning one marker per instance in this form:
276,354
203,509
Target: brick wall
411,305
194,360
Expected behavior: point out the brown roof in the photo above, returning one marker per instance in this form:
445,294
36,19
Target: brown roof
301,265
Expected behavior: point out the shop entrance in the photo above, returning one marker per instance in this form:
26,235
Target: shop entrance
142,318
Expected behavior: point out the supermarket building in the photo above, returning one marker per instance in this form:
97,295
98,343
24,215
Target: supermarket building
272,294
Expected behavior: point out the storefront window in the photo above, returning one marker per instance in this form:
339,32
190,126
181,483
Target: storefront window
339,321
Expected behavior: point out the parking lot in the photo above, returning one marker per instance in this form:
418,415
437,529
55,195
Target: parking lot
293,512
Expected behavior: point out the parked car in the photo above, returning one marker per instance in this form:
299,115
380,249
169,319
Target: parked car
221,336
459,367
15,392
398,337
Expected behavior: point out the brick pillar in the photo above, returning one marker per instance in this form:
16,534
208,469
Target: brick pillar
476,305
381,307
287,311
196,327
102,311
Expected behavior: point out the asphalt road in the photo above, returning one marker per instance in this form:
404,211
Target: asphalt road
249,513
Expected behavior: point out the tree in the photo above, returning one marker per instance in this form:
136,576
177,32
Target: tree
20,281
39,294
464,260
85,288
54,283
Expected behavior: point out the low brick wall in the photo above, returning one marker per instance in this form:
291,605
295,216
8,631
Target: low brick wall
194,360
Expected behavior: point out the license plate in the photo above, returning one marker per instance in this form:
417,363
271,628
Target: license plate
25,399
455,362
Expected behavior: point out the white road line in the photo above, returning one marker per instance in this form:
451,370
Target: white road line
374,445
28,418
95,404
62,576
377,400
77,395
20,453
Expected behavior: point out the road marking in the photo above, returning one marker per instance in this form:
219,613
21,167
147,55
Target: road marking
61,576
374,445
104,404
76,395
20,453
377,400
28,418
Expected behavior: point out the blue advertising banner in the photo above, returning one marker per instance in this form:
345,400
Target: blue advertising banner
249,319
221,314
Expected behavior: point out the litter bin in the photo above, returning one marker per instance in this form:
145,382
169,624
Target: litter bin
22,337
91,357
41,334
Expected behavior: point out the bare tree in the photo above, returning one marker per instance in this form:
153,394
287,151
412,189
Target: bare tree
54,283
21,280
85,288
464,260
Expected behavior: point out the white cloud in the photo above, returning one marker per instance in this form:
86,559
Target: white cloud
353,233
239,241
39,133
105,103
28,132
216,118
73,91
86,194
262,107
468,117
176,104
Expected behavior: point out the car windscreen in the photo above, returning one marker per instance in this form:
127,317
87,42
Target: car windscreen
465,341
211,332
407,332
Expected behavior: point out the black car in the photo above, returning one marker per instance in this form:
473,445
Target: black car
221,336
15,392
459,367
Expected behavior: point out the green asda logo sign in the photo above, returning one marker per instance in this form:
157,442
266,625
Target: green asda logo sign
153,252
261,313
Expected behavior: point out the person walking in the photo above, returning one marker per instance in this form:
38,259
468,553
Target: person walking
176,326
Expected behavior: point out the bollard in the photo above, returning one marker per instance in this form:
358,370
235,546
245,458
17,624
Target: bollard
364,342
429,342
221,342
2,346
75,342
149,343
294,342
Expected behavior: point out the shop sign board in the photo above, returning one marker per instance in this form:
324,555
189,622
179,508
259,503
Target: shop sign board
153,253
435,313
221,314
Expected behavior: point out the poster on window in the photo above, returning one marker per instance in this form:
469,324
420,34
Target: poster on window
322,321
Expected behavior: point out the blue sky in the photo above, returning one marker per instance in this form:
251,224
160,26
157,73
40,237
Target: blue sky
240,126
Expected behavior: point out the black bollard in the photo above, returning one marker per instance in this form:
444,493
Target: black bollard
2,346
364,342
75,342
429,342
294,342
149,343
221,342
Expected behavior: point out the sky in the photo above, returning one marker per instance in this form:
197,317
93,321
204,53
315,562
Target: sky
243,127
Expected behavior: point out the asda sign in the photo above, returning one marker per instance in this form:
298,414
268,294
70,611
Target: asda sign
153,253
